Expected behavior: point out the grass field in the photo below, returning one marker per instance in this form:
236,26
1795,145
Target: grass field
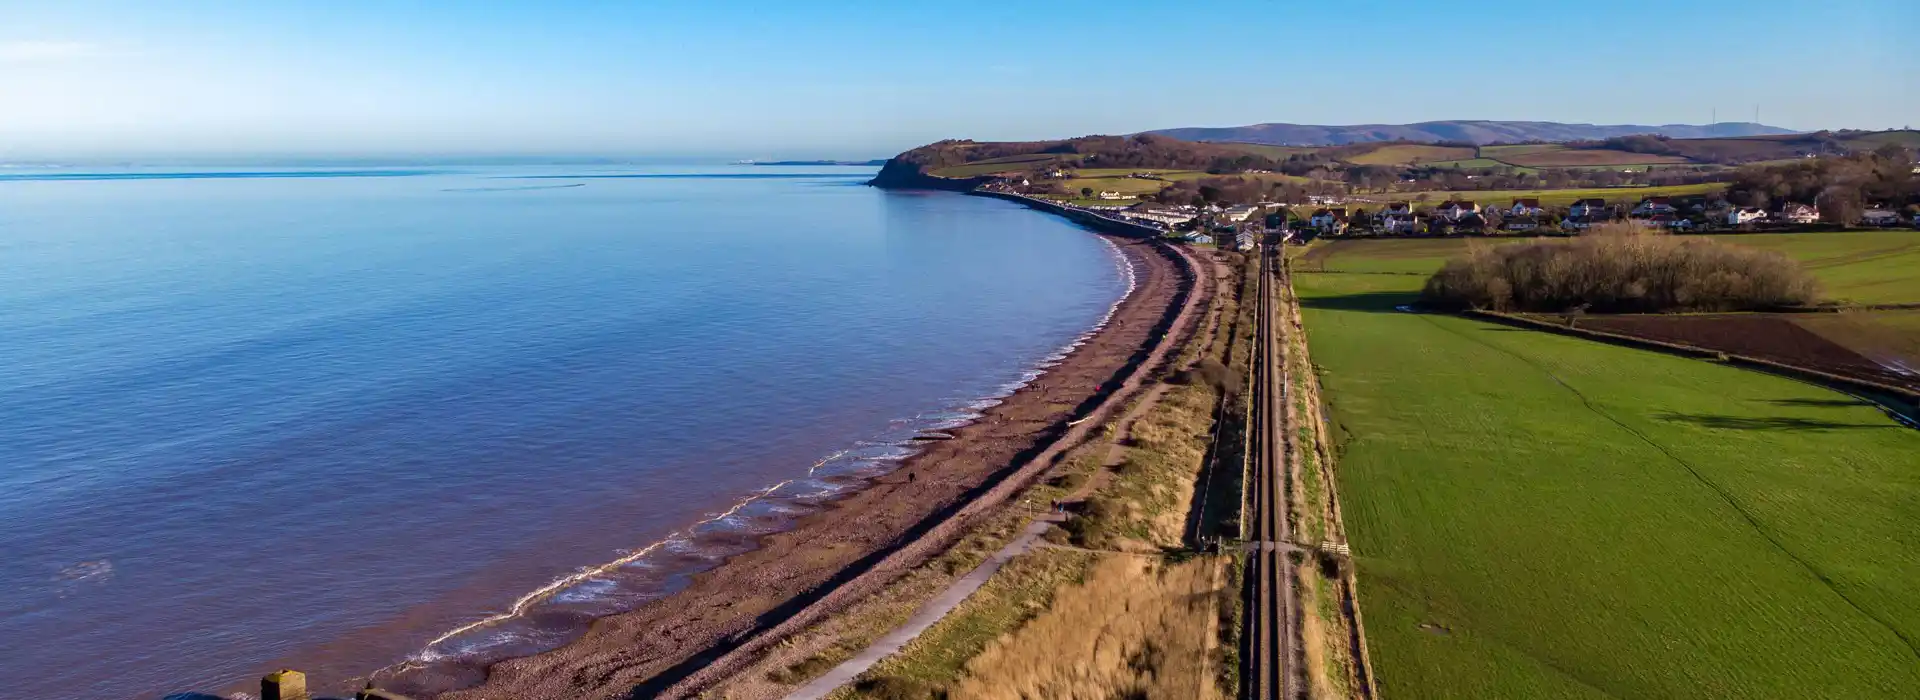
1561,198
1567,157
1509,151
1473,164
1407,154
1539,516
996,165
1864,267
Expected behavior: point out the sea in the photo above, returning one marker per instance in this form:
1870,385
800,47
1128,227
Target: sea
380,421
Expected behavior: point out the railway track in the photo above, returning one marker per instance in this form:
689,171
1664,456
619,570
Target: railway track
1271,667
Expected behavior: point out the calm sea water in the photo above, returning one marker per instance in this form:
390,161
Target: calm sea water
331,418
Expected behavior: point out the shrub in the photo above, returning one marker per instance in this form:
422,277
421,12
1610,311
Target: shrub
1619,269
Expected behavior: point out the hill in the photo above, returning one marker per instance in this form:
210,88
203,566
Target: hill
1462,131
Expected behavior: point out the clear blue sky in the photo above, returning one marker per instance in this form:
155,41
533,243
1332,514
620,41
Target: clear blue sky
746,79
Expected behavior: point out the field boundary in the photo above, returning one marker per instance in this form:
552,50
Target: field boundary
1902,401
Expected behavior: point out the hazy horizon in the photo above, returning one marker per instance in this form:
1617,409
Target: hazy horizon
122,79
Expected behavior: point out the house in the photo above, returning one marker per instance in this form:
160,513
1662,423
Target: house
1328,219
1398,209
1745,215
1799,214
1165,216
1243,240
1672,222
1590,209
1398,223
1880,217
1653,206
1113,195
1525,207
1241,213
1521,223
1576,223
1455,211
1200,238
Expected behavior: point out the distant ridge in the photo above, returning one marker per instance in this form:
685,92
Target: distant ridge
1468,131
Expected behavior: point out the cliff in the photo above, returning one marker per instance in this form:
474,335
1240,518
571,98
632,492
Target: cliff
901,173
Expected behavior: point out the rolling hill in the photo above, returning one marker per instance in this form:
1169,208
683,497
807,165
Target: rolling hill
1465,131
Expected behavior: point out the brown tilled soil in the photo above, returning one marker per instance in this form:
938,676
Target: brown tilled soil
1765,336
643,652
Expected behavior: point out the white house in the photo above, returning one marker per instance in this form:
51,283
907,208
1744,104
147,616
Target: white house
1401,223
1243,240
1589,208
1398,209
1328,219
1455,211
1200,238
1671,222
1653,206
1113,195
1745,215
1880,217
1242,212
1576,223
1525,207
1799,214
1160,215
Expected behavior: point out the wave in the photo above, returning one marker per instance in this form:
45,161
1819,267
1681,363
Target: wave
787,500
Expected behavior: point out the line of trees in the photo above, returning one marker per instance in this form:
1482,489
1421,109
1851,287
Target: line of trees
1841,187
1620,268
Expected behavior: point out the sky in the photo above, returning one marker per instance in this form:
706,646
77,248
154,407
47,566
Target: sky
859,79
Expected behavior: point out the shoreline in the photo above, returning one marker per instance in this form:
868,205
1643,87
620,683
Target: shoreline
670,638
844,472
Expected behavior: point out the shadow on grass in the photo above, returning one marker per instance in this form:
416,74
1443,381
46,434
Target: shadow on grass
1771,423
1378,302
1820,403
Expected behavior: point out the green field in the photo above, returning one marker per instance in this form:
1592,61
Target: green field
1407,154
1862,267
1538,516
1568,157
997,165
1561,198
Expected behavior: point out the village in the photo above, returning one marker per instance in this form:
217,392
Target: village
1240,226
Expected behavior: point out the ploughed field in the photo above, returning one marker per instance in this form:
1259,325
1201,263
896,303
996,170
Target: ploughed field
1539,516
1794,339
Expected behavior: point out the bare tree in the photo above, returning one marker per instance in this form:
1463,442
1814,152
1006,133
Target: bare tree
1840,204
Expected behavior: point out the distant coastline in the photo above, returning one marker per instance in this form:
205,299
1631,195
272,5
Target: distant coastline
874,162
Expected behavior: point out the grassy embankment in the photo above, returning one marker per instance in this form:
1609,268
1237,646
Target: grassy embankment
1536,516
1328,637
1124,610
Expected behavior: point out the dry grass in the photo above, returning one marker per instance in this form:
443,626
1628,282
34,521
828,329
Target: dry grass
836,639
1137,628
1021,590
